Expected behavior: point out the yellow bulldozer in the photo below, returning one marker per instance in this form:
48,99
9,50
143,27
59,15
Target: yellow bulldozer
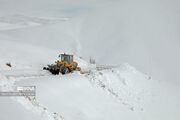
66,65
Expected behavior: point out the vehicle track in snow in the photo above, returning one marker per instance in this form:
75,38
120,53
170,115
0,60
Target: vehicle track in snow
121,91
94,80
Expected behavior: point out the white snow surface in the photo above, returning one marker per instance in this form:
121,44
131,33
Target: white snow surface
121,92
33,34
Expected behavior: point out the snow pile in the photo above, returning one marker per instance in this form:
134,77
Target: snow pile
125,83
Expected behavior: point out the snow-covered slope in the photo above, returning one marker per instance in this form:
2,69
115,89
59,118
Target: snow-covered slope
121,92
11,110
113,32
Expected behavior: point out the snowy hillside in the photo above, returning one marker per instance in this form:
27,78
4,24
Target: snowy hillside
121,34
142,33
122,92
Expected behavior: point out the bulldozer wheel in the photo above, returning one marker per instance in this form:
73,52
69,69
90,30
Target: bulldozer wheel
65,70
74,67
54,71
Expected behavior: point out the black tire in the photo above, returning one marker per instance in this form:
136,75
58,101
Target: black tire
45,68
55,71
64,70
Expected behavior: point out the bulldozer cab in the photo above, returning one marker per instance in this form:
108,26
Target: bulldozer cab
66,58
